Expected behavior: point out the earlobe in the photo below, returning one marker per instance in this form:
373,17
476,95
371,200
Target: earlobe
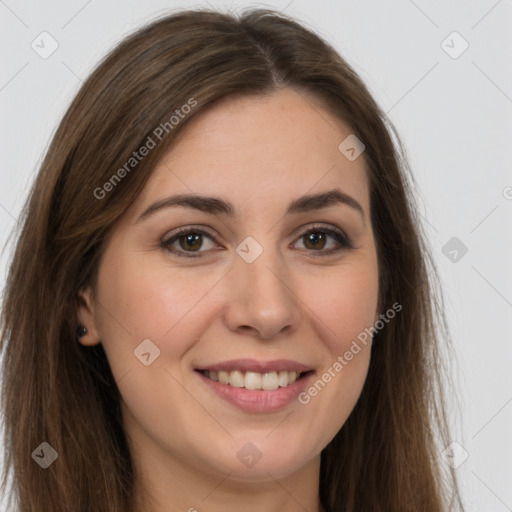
86,332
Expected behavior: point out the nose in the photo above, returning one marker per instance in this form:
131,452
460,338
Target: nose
261,298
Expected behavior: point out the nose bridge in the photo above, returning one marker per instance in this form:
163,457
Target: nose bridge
262,292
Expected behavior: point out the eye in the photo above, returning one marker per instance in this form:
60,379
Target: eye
190,241
316,239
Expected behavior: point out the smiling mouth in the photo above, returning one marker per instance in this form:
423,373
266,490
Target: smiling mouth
255,381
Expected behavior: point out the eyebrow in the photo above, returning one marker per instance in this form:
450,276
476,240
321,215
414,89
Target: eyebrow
216,205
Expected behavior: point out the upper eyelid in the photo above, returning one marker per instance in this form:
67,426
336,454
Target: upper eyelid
302,229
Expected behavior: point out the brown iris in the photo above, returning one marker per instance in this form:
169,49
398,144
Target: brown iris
191,239
313,238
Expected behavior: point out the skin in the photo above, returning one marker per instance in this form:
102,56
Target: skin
260,153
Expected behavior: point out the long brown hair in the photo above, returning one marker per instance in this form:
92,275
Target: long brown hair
55,390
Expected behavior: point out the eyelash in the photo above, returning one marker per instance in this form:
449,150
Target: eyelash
340,237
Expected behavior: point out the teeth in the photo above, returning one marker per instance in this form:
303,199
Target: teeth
236,379
270,381
253,380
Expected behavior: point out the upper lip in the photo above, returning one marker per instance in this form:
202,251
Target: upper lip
253,365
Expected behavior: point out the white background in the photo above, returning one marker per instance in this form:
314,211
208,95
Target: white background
454,115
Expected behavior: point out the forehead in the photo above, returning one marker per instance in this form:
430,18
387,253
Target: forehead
269,148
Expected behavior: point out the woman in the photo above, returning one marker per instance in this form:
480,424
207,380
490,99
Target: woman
219,295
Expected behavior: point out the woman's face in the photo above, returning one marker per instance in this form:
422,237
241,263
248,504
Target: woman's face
275,288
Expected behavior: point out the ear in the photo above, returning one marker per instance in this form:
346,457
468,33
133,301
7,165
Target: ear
86,317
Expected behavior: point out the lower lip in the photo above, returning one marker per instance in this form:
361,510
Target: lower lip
258,400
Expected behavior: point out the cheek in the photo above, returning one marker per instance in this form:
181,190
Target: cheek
356,307
137,301
338,306
343,304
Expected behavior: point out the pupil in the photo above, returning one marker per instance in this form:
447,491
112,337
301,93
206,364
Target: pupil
190,241
314,238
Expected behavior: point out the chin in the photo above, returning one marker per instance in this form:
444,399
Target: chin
260,461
